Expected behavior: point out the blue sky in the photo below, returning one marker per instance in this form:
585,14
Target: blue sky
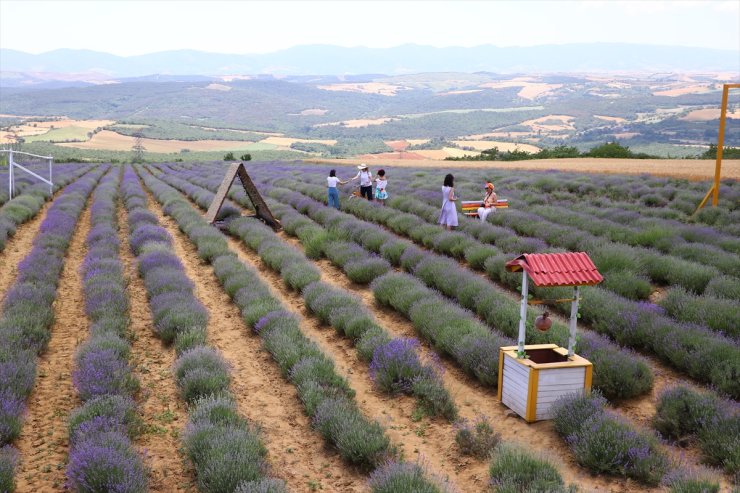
136,27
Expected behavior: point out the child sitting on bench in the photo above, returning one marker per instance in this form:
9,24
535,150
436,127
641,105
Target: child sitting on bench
489,203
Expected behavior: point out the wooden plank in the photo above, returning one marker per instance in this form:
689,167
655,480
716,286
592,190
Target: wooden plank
223,189
260,207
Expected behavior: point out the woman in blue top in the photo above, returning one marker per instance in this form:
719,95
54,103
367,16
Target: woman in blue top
448,215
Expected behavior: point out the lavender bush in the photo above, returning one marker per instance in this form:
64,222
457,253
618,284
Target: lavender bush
8,463
476,438
604,443
401,477
514,469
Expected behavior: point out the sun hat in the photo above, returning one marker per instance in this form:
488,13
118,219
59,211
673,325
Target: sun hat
489,185
362,166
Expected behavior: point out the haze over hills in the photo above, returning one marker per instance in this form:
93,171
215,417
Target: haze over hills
20,68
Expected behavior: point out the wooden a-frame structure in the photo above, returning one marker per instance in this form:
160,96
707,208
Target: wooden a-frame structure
260,208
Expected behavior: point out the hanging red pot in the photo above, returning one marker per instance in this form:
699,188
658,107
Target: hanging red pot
543,322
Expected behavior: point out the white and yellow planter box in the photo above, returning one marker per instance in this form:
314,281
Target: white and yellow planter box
530,386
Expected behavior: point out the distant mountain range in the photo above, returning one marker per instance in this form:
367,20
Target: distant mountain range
18,68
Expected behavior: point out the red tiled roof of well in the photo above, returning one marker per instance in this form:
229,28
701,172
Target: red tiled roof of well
557,269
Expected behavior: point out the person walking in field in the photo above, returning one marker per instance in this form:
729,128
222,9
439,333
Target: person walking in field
333,192
381,184
489,203
366,181
448,215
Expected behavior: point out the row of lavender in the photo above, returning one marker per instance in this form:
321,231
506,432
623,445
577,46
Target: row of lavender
628,270
649,466
327,397
28,312
225,449
693,265
633,324
102,455
700,265
638,197
394,366
27,204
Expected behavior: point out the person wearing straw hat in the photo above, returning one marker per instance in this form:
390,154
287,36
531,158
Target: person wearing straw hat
366,181
489,203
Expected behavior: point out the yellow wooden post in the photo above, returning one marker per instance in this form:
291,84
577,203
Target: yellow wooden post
534,384
714,189
720,141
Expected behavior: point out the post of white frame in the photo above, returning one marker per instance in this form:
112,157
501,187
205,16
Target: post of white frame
523,313
11,170
573,322
10,175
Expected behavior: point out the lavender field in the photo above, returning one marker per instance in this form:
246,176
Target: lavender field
357,350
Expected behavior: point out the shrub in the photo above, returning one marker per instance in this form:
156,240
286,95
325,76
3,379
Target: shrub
8,462
395,365
106,462
724,287
190,338
682,412
114,408
571,412
514,469
401,477
364,271
224,456
690,481
359,441
12,409
265,485
627,284
477,438
103,371
719,443
201,371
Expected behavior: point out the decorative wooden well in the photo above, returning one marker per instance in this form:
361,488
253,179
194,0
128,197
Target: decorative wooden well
531,378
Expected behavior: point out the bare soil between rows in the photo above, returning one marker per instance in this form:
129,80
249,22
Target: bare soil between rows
44,439
161,409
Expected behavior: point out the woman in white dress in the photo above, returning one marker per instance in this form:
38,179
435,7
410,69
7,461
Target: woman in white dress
448,215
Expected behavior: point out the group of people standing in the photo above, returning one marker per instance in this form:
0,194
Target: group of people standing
366,185
448,214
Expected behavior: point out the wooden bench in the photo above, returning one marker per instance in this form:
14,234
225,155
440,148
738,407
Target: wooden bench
470,207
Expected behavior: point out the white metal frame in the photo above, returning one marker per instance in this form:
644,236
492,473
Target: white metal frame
523,317
12,164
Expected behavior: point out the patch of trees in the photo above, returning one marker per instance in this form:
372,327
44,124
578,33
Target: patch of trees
607,150
727,152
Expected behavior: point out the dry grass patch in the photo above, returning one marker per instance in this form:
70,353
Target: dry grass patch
359,123
465,91
530,90
482,145
610,118
112,141
287,141
681,89
709,114
367,87
218,87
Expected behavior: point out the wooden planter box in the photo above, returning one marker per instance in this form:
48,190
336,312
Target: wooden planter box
530,386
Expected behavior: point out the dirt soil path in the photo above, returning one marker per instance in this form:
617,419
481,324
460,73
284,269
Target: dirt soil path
296,452
161,409
691,169
18,246
44,440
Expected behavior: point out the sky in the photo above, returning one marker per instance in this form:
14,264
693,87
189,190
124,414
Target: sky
136,27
